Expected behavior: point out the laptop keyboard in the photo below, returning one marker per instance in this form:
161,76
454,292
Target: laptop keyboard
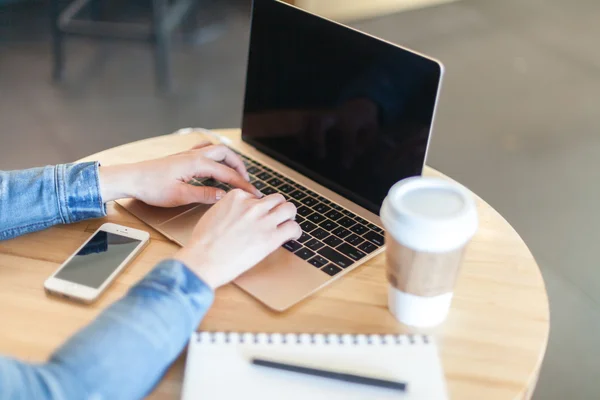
333,238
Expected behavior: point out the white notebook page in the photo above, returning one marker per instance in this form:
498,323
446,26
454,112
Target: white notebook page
219,366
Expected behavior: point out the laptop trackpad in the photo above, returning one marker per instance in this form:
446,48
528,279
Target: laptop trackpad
180,228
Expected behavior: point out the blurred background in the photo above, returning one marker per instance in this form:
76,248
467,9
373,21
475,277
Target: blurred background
518,120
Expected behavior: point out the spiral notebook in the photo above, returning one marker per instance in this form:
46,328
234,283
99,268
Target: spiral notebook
219,366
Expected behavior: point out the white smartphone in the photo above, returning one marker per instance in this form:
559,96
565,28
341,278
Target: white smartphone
89,271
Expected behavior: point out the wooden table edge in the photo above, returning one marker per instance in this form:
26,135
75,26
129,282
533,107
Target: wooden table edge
526,392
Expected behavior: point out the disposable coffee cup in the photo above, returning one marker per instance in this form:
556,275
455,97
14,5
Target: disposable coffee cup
428,223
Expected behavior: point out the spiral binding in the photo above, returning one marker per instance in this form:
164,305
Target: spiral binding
311,339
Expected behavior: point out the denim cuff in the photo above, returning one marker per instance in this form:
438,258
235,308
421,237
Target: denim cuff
126,350
172,277
78,192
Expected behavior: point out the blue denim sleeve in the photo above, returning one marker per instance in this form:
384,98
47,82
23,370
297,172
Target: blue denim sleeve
35,199
126,350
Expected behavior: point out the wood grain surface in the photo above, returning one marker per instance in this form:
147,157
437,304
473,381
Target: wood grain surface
492,344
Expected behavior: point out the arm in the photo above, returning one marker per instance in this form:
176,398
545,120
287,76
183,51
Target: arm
35,199
125,351
38,198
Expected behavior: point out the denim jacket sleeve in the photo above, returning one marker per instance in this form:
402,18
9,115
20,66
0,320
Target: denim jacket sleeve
35,199
124,352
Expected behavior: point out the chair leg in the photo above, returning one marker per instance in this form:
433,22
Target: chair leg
190,24
58,51
162,53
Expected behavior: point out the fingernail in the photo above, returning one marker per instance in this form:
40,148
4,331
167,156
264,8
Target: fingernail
220,194
260,194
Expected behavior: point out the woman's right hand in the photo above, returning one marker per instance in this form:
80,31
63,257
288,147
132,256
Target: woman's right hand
236,234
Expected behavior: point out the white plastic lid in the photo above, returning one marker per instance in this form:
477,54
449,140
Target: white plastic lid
430,214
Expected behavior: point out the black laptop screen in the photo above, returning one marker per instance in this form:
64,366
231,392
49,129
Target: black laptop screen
351,112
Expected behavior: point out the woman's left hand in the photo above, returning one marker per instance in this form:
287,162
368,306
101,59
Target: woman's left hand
163,181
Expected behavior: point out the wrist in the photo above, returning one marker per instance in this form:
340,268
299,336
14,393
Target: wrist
116,182
200,269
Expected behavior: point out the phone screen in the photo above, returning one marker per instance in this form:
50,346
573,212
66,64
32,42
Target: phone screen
98,259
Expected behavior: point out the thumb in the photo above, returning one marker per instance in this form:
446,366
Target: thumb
202,194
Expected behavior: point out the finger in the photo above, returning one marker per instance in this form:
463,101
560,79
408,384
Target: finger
225,174
239,195
202,144
222,153
268,203
289,230
281,213
189,194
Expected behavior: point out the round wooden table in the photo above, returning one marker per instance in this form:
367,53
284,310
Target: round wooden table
491,345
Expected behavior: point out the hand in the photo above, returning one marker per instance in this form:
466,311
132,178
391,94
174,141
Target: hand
163,182
237,233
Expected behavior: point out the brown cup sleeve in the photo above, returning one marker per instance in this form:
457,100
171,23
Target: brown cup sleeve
422,273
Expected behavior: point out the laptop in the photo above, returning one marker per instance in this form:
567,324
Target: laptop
332,119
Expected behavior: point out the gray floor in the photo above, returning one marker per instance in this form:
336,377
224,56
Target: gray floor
518,123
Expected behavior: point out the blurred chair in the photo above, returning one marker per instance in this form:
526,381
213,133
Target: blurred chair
167,15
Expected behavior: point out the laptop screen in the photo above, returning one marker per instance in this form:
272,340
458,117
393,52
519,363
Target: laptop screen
350,111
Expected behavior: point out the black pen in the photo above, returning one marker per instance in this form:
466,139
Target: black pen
332,375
